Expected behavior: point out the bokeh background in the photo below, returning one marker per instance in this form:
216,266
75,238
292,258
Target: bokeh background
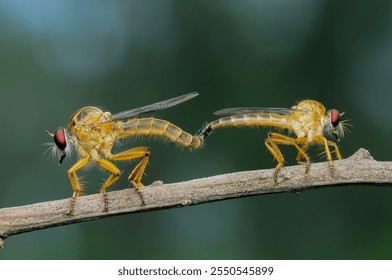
58,56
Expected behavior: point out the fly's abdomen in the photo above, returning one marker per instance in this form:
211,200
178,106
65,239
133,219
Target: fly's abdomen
261,119
159,128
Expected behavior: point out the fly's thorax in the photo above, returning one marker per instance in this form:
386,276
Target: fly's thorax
90,133
310,106
88,123
86,117
307,119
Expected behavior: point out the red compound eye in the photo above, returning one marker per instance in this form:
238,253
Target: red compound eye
60,139
335,117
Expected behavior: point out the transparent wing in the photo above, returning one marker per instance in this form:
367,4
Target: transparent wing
153,107
252,110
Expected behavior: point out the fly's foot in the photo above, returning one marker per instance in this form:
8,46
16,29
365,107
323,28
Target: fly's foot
138,188
307,168
331,171
140,192
276,171
70,211
105,202
275,177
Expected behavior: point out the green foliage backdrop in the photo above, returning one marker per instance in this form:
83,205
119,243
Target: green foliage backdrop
58,56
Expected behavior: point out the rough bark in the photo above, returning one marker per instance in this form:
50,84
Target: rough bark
360,168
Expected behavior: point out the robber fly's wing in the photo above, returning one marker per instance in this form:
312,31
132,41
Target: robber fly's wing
153,107
252,110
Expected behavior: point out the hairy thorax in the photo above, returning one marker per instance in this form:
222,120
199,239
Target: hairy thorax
307,119
92,138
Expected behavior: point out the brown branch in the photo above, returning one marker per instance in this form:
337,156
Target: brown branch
360,168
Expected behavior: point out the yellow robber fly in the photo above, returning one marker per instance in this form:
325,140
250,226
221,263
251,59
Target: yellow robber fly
308,120
93,132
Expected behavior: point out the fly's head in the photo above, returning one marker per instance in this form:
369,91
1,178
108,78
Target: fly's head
61,146
334,125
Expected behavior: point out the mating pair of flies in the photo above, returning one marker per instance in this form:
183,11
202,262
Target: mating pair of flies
93,133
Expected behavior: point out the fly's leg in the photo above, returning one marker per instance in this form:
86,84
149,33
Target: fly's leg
323,141
337,152
113,177
305,146
75,183
279,139
137,173
299,155
286,140
277,154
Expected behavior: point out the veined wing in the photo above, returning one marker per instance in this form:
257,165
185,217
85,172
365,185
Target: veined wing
153,107
252,110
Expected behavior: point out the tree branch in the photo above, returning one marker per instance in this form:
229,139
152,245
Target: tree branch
360,168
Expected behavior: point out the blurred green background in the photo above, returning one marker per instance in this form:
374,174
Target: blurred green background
58,56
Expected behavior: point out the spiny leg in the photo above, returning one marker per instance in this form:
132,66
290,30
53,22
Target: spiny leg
136,176
337,152
299,155
305,146
277,154
75,183
323,141
137,173
113,177
279,139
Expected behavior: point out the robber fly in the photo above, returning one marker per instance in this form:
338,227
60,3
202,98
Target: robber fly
309,121
93,132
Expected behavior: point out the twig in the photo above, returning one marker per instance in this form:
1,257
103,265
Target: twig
360,168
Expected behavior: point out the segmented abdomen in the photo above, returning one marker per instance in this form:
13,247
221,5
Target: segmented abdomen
160,128
261,119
